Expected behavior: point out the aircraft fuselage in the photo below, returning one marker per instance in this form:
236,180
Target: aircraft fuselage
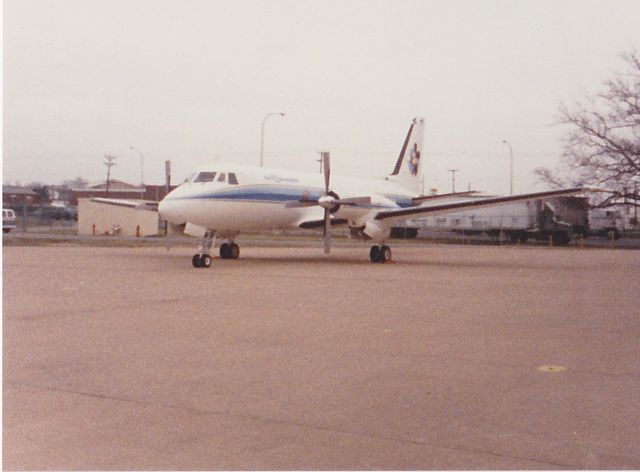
254,198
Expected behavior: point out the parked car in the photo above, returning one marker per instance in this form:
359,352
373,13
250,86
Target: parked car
54,213
8,220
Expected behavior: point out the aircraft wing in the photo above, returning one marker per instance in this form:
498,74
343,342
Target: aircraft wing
444,196
135,204
444,207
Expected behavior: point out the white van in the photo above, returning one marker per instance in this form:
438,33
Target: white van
8,220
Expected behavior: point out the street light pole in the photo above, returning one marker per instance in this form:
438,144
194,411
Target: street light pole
453,179
511,161
262,135
141,171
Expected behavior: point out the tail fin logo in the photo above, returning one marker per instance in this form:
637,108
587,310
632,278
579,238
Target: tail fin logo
414,159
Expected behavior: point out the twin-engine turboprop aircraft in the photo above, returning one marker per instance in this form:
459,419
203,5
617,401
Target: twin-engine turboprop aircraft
221,200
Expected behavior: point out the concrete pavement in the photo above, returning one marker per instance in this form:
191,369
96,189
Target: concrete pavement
129,358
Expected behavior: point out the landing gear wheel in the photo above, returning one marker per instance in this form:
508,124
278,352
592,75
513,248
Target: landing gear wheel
374,254
201,260
384,254
380,253
229,251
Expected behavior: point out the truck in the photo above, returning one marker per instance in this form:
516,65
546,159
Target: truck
559,218
8,220
607,222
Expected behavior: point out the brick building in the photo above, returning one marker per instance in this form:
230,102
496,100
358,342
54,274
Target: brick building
119,189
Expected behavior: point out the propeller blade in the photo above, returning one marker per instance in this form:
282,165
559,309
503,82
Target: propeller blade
327,231
355,201
300,203
327,170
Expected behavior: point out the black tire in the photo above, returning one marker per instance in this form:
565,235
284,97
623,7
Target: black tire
518,237
195,260
384,254
374,254
561,238
205,261
225,251
234,251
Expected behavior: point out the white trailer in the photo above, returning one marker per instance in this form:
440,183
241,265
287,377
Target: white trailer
561,218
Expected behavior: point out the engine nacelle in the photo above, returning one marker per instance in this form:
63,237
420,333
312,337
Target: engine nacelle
370,230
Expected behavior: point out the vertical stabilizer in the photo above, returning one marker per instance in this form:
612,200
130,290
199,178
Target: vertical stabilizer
408,169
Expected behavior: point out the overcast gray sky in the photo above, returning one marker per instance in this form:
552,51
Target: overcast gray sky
191,80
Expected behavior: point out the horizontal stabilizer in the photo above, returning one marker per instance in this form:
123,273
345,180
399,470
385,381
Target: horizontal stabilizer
134,204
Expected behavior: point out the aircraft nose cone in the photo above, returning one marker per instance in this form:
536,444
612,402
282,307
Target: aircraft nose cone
167,210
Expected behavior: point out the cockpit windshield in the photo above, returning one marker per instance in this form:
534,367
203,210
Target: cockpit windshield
205,177
211,176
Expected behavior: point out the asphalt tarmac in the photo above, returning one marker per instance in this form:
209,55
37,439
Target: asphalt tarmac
450,357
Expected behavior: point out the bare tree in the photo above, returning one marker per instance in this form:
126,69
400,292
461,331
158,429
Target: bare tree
602,146
78,182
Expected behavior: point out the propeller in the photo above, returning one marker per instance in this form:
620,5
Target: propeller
330,201
327,202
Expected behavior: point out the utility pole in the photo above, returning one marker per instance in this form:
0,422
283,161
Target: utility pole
167,188
636,202
453,179
108,161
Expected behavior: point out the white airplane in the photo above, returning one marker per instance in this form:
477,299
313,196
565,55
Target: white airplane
221,200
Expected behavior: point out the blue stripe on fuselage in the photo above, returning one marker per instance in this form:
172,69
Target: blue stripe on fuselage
276,194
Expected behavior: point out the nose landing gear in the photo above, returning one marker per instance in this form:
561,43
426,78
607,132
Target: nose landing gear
202,259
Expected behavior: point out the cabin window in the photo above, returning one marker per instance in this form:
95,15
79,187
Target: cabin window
222,177
232,178
205,177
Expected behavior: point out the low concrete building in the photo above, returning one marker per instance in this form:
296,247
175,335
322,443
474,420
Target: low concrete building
101,218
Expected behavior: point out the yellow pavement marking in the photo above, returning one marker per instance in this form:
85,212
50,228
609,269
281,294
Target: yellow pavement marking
551,368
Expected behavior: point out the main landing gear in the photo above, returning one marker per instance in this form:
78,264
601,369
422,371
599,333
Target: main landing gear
380,253
229,251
